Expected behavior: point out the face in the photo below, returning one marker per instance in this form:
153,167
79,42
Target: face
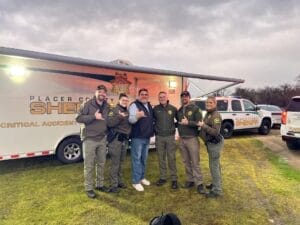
210,104
124,101
143,97
100,95
185,99
162,98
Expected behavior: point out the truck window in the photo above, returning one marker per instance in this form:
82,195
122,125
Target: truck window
294,105
200,104
248,106
236,105
222,105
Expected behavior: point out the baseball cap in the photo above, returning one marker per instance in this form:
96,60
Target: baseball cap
102,87
185,93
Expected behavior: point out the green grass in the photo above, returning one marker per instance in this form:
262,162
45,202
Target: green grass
259,188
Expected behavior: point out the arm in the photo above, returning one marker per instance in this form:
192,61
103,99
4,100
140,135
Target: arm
83,115
197,118
213,130
132,113
114,118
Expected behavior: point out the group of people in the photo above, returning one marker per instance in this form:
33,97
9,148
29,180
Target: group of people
138,122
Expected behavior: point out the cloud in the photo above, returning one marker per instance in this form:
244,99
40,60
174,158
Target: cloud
253,40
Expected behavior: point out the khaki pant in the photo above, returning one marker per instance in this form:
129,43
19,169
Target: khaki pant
214,153
94,155
166,149
190,148
117,151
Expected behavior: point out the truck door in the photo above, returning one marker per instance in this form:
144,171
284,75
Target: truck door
252,118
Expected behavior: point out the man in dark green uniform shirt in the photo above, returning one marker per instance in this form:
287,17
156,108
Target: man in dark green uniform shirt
164,127
188,116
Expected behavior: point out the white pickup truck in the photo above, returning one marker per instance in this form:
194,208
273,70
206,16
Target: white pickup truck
290,124
239,114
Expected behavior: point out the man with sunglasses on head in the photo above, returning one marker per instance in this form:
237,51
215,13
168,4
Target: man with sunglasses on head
93,117
141,118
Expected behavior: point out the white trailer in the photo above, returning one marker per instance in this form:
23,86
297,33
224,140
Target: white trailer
41,96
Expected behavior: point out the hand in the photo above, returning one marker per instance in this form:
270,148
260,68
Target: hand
184,121
200,123
98,115
140,114
123,114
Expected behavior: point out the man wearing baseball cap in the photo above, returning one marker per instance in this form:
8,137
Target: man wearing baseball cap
188,116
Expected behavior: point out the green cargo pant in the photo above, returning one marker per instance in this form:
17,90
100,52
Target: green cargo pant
190,152
166,149
214,153
94,155
117,151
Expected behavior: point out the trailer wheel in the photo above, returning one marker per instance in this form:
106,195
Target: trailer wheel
70,151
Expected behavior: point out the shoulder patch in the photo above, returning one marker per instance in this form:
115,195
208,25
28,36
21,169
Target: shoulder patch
111,113
217,120
170,112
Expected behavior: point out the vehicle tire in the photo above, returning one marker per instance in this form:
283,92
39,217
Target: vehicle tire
70,150
227,129
292,145
265,127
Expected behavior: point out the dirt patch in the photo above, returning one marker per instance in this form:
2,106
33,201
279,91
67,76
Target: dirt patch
274,142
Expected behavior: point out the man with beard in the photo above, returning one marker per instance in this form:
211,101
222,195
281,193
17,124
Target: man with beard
188,116
93,115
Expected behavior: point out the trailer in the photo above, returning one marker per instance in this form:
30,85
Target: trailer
41,93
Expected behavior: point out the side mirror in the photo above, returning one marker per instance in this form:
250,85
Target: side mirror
257,108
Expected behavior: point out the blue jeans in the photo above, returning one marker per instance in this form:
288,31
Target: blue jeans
139,155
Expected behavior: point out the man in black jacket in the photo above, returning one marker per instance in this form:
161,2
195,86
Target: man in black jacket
164,127
141,118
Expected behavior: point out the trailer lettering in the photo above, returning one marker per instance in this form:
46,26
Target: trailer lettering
51,108
59,123
18,124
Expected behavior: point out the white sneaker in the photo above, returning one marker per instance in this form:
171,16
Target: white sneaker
138,187
145,182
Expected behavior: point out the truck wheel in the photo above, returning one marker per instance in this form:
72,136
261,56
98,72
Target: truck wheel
70,150
265,127
292,145
227,129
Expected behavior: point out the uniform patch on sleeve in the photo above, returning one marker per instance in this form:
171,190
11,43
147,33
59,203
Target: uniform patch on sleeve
217,120
111,113
190,113
170,112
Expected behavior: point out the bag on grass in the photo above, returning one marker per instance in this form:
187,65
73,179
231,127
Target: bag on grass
167,219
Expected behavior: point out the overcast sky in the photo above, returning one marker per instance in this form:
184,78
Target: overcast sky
255,40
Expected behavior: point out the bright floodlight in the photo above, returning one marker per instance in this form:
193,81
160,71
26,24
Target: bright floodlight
17,71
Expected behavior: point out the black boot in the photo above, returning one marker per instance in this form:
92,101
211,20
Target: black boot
200,189
174,184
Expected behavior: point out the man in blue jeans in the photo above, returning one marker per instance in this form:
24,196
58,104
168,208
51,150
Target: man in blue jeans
141,118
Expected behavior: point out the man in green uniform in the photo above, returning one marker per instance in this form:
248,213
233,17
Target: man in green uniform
214,141
188,116
164,127
119,130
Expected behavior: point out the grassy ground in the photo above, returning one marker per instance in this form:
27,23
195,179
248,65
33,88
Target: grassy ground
259,188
